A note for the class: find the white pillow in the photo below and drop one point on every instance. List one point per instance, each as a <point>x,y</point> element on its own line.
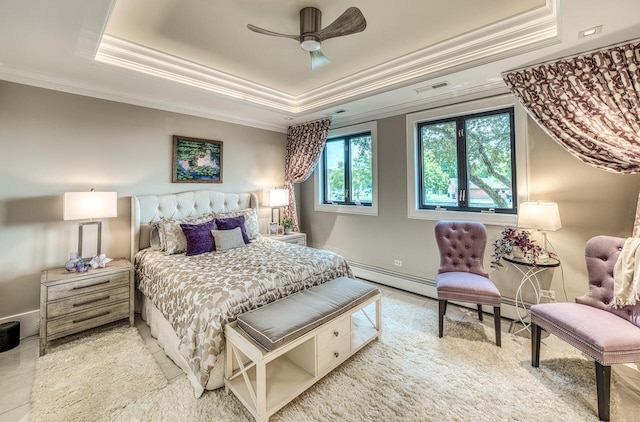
<point>250,220</point>
<point>228,239</point>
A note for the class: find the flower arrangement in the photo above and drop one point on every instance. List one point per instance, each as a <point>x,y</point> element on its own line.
<point>287,223</point>
<point>512,238</point>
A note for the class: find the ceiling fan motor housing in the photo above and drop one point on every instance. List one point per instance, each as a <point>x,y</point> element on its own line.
<point>310,24</point>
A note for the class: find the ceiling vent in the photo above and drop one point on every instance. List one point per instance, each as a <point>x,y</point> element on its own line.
<point>431,87</point>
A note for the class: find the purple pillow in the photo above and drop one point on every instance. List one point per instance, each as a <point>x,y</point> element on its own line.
<point>231,223</point>
<point>199,238</point>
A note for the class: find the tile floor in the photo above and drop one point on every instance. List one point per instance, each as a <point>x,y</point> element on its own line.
<point>17,366</point>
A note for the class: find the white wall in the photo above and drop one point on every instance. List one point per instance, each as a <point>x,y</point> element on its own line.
<point>52,142</point>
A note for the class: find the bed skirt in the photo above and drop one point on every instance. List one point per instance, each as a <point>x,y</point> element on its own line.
<point>162,331</point>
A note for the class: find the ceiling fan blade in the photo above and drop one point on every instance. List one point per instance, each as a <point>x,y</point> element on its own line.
<point>318,59</point>
<point>350,22</point>
<point>273,34</point>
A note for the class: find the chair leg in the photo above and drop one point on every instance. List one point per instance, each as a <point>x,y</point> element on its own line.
<point>603,384</point>
<point>536,333</point>
<point>442,309</point>
<point>496,322</point>
<point>479,312</point>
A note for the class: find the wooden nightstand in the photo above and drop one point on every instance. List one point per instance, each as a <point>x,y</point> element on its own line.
<point>74,302</point>
<point>298,238</point>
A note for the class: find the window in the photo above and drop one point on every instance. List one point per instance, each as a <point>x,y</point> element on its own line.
<point>348,183</point>
<point>346,176</point>
<point>467,163</point>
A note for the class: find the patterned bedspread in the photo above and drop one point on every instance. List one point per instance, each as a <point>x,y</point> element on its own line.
<point>199,294</point>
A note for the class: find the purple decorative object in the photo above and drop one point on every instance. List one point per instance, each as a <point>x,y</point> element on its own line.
<point>199,238</point>
<point>70,265</point>
<point>231,223</point>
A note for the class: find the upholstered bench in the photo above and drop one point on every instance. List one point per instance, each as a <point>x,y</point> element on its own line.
<point>276,352</point>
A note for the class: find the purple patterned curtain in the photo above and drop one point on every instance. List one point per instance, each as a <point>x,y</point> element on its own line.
<point>589,104</point>
<point>304,145</point>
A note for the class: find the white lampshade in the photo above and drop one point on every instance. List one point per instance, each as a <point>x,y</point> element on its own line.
<point>275,197</point>
<point>89,205</point>
<point>539,215</point>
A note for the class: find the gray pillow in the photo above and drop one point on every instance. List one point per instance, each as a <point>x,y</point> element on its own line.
<point>228,239</point>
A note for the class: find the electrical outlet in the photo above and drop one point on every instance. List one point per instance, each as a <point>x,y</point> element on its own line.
<point>397,263</point>
<point>549,294</point>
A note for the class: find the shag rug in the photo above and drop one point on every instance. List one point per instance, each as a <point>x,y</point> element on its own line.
<point>408,375</point>
<point>91,376</point>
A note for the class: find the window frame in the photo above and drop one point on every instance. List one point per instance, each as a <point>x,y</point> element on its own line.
<point>463,161</point>
<point>476,107</point>
<point>319,179</point>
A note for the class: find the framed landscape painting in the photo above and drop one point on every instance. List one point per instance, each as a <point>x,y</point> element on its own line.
<point>196,160</point>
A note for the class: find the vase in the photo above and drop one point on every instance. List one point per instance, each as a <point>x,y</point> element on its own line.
<point>287,230</point>
<point>516,252</point>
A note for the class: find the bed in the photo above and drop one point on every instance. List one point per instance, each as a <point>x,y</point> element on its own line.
<point>187,300</point>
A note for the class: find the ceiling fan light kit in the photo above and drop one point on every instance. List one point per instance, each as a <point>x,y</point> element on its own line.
<point>311,35</point>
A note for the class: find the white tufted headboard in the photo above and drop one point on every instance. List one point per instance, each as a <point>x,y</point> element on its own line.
<point>150,208</point>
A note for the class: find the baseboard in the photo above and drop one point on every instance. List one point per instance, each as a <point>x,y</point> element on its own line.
<point>419,285</point>
<point>29,323</point>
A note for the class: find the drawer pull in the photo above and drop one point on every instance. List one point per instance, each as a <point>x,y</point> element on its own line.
<point>100,299</point>
<point>336,354</point>
<point>336,333</point>
<point>91,285</point>
<point>75,321</point>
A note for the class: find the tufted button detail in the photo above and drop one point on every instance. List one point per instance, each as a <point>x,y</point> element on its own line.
<point>599,285</point>
<point>606,302</point>
<point>466,247</point>
<point>630,312</point>
<point>449,255</point>
<point>460,256</point>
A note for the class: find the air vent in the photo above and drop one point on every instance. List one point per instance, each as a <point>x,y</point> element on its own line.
<point>431,87</point>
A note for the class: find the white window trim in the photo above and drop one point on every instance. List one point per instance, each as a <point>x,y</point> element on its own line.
<point>318,180</point>
<point>471,107</point>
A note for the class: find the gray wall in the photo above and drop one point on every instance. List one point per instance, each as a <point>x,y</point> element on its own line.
<point>51,142</point>
<point>591,202</point>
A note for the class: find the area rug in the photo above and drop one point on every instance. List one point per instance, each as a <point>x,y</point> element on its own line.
<point>408,375</point>
<point>412,375</point>
<point>94,374</point>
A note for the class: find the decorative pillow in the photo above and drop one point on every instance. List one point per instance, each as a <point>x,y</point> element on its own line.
<point>199,238</point>
<point>232,223</point>
<point>156,240</point>
<point>228,239</point>
<point>174,240</point>
<point>250,220</point>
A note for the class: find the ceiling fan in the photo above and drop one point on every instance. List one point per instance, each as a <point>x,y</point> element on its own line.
<point>311,35</point>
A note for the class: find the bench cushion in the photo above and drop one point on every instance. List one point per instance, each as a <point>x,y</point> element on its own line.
<point>604,336</point>
<point>286,319</point>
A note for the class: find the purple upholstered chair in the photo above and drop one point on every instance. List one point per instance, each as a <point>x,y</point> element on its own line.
<point>461,276</point>
<point>591,324</point>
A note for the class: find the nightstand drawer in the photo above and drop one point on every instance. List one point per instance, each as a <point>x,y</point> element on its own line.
<point>88,285</point>
<point>79,303</point>
<point>296,241</point>
<point>80,321</point>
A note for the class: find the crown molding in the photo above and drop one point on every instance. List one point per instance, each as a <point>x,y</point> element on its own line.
<point>530,30</point>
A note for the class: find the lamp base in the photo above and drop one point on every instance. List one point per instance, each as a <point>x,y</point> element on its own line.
<point>88,249</point>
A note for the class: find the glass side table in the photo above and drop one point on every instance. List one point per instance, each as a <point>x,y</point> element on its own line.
<point>530,271</point>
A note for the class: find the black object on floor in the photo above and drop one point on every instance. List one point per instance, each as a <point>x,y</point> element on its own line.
<point>9,335</point>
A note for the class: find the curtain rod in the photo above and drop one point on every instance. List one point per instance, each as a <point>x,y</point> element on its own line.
<point>573,56</point>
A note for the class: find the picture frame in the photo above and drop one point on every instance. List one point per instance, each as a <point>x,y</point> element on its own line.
<point>196,160</point>
<point>273,229</point>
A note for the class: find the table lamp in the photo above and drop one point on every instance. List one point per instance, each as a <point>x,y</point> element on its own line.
<point>542,216</point>
<point>89,206</point>
<point>275,198</point>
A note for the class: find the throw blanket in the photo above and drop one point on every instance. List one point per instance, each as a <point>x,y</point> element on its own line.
<point>626,274</point>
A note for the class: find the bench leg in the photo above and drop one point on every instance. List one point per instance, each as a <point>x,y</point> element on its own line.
<point>536,332</point>
<point>480,312</point>
<point>442,309</point>
<point>497,322</point>
<point>603,385</point>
